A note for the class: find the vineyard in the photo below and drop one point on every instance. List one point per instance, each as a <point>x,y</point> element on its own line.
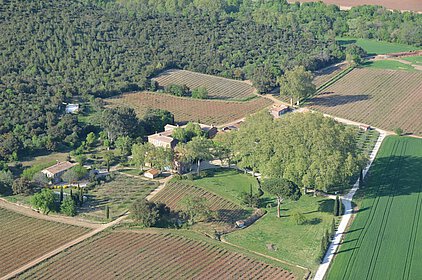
<point>118,194</point>
<point>210,112</point>
<point>23,239</point>
<point>385,238</point>
<point>227,212</point>
<point>153,255</point>
<point>383,98</point>
<point>217,87</point>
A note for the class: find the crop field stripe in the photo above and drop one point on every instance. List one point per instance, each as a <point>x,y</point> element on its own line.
<point>413,235</point>
<point>368,221</point>
<point>386,214</point>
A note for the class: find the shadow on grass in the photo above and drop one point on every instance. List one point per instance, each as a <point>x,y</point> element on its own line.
<point>313,221</point>
<point>326,205</point>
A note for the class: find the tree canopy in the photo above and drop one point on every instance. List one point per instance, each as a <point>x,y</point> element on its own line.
<point>306,148</point>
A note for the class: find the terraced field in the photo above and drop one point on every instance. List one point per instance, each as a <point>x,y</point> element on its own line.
<point>385,238</point>
<point>153,255</point>
<point>228,212</point>
<point>386,99</point>
<point>211,112</point>
<point>23,239</point>
<point>217,87</point>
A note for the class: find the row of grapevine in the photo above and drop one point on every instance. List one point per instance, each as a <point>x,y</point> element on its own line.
<point>152,255</point>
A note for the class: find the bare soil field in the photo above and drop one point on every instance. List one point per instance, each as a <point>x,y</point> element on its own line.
<point>23,238</point>
<point>218,87</point>
<point>404,5</point>
<point>211,112</point>
<point>153,254</point>
<point>386,99</point>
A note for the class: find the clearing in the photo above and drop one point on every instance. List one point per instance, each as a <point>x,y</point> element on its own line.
<point>156,254</point>
<point>374,47</point>
<point>385,238</point>
<point>217,87</point>
<point>24,238</point>
<point>386,99</point>
<point>211,112</point>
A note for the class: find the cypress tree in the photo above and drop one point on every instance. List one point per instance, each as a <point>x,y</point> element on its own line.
<point>81,197</point>
<point>61,194</point>
<point>340,207</point>
<point>107,212</point>
<point>361,179</point>
<point>333,228</point>
<point>323,248</point>
<point>336,207</point>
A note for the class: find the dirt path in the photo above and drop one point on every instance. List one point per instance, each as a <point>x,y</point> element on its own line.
<point>27,211</point>
<point>159,188</point>
<point>51,254</point>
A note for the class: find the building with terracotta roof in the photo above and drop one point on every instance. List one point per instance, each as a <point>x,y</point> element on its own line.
<point>56,171</point>
<point>278,110</point>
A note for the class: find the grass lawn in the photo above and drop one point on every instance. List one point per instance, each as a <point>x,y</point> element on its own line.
<point>227,183</point>
<point>298,244</point>
<point>414,59</point>
<point>385,238</point>
<point>373,47</point>
<point>131,171</point>
<point>389,65</point>
<point>44,159</point>
<point>118,194</point>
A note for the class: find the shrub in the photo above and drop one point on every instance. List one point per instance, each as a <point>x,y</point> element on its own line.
<point>22,186</point>
<point>398,131</point>
<point>144,212</point>
<point>200,93</point>
<point>68,207</point>
<point>43,201</point>
<point>299,218</point>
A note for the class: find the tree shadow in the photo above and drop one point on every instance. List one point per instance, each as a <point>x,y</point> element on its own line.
<point>329,99</point>
<point>313,221</point>
<point>326,205</point>
<point>392,175</point>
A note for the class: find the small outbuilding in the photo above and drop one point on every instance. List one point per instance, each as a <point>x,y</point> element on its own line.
<point>72,108</point>
<point>152,173</point>
<point>364,127</point>
<point>278,110</point>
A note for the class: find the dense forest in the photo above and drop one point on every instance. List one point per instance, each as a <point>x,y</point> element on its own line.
<point>54,50</point>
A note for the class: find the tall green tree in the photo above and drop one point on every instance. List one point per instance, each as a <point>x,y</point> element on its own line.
<point>282,189</point>
<point>296,84</point>
<point>198,149</point>
<point>43,201</point>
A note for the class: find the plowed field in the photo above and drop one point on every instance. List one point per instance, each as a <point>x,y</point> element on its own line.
<point>217,87</point>
<point>23,239</point>
<point>386,99</point>
<point>153,255</point>
<point>211,112</point>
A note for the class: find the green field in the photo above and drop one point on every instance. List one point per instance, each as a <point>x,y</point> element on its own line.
<point>385,238</point>
<point>227,183</point>
<point>297,244</point>
<point>376,47</point>
<point>414,59</point>
<point>389,65</point>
